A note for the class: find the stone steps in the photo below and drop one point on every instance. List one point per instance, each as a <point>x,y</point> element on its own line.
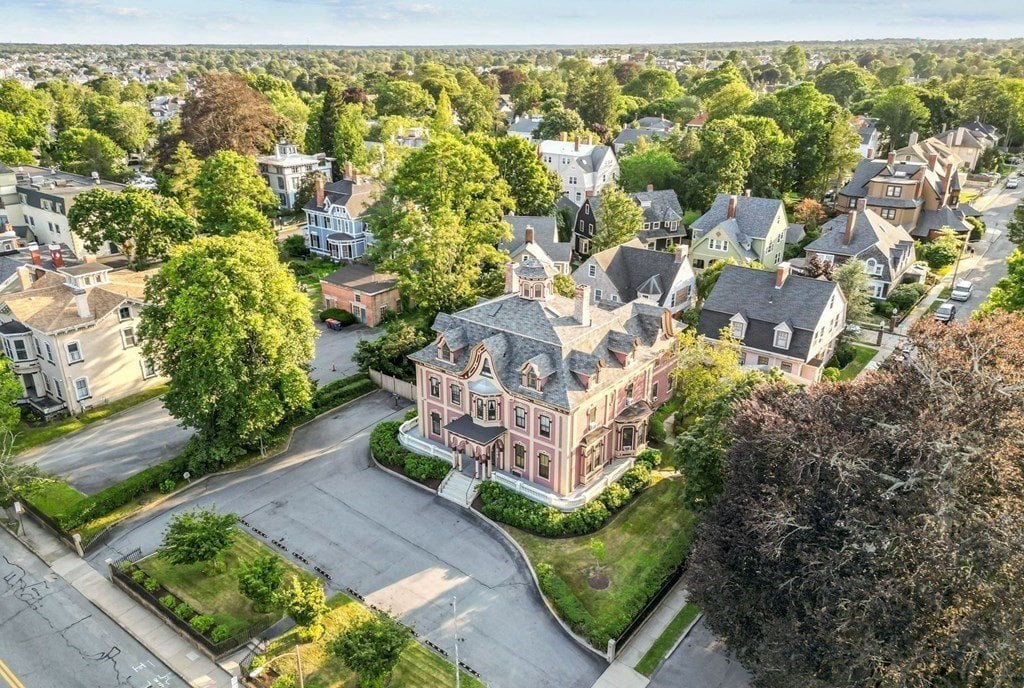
<point>459,488</point>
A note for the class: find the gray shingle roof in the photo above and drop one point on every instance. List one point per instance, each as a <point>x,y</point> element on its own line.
<point>545,235</point>
<point>525,125</point>
<point>754,216</point>
<point>633,269</point>
<point>362,278</point>
<point>932,220</point>
<point>659,205</point>
<point>627,136</point>
<point>800,303</point>
<point>356,197</point>
<point>870,231</point>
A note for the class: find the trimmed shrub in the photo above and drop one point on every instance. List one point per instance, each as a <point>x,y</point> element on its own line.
<point>615,496</point>
<point>650,458</point>
<point>151,584</point>
<point>202,623</point>
<point>565,602</point>
<point>636,479</point>
<point>844,353</point>
<point>219,634</point>
<point>411,413</point>
<point>183,611</point>
<point>342,316</point>
<point>169,601</point>
<point>903,298</point>
<point>139,576</point>
<point>422,468</point>
<point>831,374</point>
<point>341,392</point>
<point>167,486</point>
<point>385,446</point>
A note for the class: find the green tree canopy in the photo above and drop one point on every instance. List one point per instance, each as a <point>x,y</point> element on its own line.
<point>143,225</point>
<point>559,121</point>
<point>372,648</point>
<point>653,84</point>
<point>231,196</point>
<point>304,601</point>
<point>198,536</point>
<point>650,164</point>
<point>853,280</point>
<point>180,175</point>
<point>773,157</point>
<point>84,151</point>
<point>226,323</point>
<point>618,217</point>
<point>404,98</point>
<point>440,221</point>
<point>846,82</point>
<point>259,580</point>
<point>721,163</point>
<point>900,112</point>
<point>533,188</point>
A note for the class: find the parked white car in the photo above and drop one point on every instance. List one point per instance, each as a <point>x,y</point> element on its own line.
<point>962,290</point>
<point>1012,183</point>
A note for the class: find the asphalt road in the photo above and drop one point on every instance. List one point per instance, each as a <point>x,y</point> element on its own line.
<point>110,450</point>
<point>401,547</point>
<point>701,661</point>
<point>332,359</point>
<point>52,637</point>
<point>992,266</point>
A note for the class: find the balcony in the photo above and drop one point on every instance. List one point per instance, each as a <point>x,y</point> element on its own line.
<point>26,366</point>
<point>46,406</point>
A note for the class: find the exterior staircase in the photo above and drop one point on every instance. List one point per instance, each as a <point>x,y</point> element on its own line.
<point>459,488</point>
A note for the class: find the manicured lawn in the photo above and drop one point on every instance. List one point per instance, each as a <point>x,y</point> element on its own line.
<point>667,639</point>
<point>853,368</point>
<point>53,496</point>
<point>643,543</point>
<point>217,594</point>
<point>31,435</point>
<point>417,668</point>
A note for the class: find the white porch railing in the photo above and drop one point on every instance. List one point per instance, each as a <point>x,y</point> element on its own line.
<point>409,437</point>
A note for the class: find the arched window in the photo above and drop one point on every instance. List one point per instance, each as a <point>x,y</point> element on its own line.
<point>538,291</point>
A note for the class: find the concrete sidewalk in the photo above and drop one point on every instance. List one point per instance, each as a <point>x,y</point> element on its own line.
<point>620,674</point>
<point>178,654</point>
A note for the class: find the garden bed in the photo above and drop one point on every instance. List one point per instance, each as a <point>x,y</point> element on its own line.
<point>215,593</point>
<point>418,667</point>
<point>641,547</point>
<point>390,453</point>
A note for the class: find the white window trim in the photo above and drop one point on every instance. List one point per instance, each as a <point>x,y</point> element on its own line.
<point>124,338</point>
<point>88,390</point>
<point>67,352</point>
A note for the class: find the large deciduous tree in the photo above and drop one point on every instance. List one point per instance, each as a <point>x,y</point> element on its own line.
<point>558,121</point>
<point>226,322</point>
<point>440,221</point>
<point>404,98</point>
<point>618,217</point>
<point>533,188</point>
<point>846,82</point>
<point>899,112</point>
<point>225,113</point>
<point>771,163</point>
<point>721,163</point>
<point>871,533</point>
<point>372,647</point>
<point>853,280</point>
<point>650,164</point>
<point>1008,294</point>
<point>84,151</point>
<point>142,224</point>
<point>198,537</point>
<point>231,196</point>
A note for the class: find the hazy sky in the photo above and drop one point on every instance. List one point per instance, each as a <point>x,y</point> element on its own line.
<point>433,22</point>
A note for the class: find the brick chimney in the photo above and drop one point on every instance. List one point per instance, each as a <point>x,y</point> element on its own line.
<point>730,211</point>
<point>781,274</point>
<point>581,312</point>
<point>576,143</point>
<point>680,253</point>
<point>851,222</point>
<point>947,180</point>
<point>650,187</point>
<point>913,138</point>
<point>33,251</point>
<point>56,255</point>
<point>349,170</point>
<point>319,191</point>
<point>892,158</point>
<point>529,234</point>
<point>590,193</point>
<point>564,136</point>
<point>862,204</point>
<point>511,278</point>
<point>933,158</point>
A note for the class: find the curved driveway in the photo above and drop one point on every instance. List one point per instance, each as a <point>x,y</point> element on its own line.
<point>401,547</point>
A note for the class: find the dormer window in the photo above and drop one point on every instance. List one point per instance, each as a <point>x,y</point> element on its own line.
<point>782,336</point>
<point>738,326</point>
<point>531,377</point>
<point>485,369</point>
<point>444,352</point>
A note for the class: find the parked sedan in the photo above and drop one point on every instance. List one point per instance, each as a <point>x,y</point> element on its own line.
<point>962,290</point>
<point>1012,183</point>
<point>946,312</point>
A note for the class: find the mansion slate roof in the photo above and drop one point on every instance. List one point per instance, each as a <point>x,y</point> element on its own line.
<point>634,269</point>
<point>545,235</point>
<point>800,303</point>
<point>514,331</point>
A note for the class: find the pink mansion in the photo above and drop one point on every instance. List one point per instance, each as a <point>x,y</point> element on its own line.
<point>547,395</point>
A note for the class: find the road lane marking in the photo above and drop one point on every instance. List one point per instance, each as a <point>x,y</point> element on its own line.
<point>8,676</point>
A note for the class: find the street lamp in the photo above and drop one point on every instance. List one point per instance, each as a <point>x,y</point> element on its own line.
<point>258,671</point>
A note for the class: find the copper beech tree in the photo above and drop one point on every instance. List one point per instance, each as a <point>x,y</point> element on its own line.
<point>872,533</point>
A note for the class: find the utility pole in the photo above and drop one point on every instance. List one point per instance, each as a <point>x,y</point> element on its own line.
<point>455,619</point>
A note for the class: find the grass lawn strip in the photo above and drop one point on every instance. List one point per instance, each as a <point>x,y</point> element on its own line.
<point>418,667</point>
<point>53,496</point>
<point>667,639</point>
<point>863,356</point>
<point>217,594</point>
<point>652,533</point>
<point>28,436</point>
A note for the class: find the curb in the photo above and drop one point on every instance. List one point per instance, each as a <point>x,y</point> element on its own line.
<point>686,632</point>
<point>400,476</point>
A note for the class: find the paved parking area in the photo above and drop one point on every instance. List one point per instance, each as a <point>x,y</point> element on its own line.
<point>701,661</point>
<point>110,450</point>
<point>404,548</point>
<point>334,349</point>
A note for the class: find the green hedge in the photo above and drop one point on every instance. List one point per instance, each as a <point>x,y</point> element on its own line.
<point>342,316</point>
<point>341,392</point>
<point>388,450</point>
<point>512,508</point>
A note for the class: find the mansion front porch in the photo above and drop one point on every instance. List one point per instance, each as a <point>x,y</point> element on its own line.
<point>482,454</point>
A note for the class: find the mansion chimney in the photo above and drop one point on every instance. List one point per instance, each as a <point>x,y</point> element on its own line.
<point>730,211</point>
<point>24,277</point>
<point>851,222</point>
<point>511,278</point>
<point>56,255</point>
<point>529,234</point>
<point>33,252</point>
<point>82,303</point>
<point>781,274</point>
<point>892,158</point>
<point>581,312</point>
<point>319,191</point>
<point>576,143</point>
<point>913,138</point>
<point>933,158</point>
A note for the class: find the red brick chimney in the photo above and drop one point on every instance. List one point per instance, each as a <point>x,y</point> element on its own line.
<point>529,234</point>
<point>947,180</point>
<point>933,158</point>
<point>590,193</point>
<point>33,251</point>
<point>862,204</point>
<point>851,222</point>
<point>781,274</point>
<point>730,211</point>
<point>892,158</point>
<point>319,192</point>
<point>56,255</point>
<point>576,143</point>
<point>680,252</point>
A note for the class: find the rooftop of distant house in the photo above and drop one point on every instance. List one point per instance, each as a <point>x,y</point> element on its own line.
<point>56,182</point>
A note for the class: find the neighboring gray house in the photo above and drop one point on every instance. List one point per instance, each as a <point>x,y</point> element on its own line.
<point>537,237</point>
<point>663,220</point>
<point>631,272</point>
<point>781,320</point>
<point>650,128</point>
<point>524,126</point>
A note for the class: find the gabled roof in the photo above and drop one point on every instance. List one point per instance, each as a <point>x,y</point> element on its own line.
<point>49,305</point>
<point>545,236</point>
<point>754,216</point>
<point>589,156</point>
<point>933,220</point>
<point>356,197</point>
<point>800,304</point>
<point>870,230</point>
<point>634,270</point>
<point>659,205</point>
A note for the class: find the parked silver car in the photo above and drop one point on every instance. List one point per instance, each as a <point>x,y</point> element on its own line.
<point>946,312</point>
